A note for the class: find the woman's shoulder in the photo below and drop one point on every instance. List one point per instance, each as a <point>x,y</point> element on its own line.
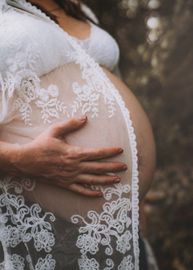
<point>28,40</point>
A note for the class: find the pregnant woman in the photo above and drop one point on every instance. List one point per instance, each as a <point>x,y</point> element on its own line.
<point>70,159</point>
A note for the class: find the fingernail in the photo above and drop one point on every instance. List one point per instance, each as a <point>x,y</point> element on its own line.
<point>117,180</point>
<point>120,150</point>
<point>100,194</point>
<point>125,167</point>
<point>83,118</point>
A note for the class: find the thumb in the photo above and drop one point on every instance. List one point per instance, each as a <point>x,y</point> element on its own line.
<point>63,128</point>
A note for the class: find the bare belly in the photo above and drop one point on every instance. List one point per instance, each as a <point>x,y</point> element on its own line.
<point>109,124</point>
<point>144,136</point>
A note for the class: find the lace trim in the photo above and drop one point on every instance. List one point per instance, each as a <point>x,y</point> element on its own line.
<point>108,86</point>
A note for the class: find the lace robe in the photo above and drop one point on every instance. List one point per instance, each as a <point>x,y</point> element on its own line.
<point>46,77</point>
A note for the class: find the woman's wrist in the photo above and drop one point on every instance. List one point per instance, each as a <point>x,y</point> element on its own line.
<point>9,157</point>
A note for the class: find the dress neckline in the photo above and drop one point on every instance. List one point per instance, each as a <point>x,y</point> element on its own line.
<point>23,5</point>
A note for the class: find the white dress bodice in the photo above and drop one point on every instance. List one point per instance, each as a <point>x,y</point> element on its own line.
<point>100,45</point>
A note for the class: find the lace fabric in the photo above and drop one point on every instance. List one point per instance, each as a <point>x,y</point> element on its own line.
<point>41,226</point>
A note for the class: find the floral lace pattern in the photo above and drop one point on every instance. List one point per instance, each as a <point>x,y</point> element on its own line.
<point>23,82</point>
<point>100,229</point>
<point>88,100</point>
<point>22,224</point>
<point>126,264</point>
<point>16,262</point>
<point>115,228</point>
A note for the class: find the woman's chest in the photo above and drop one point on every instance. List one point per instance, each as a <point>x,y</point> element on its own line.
<point>74,27</point>
<point>98,43</point>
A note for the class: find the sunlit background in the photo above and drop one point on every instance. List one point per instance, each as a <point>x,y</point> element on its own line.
<point>156,42</point>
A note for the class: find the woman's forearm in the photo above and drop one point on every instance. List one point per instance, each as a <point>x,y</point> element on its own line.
<point>8,153</point>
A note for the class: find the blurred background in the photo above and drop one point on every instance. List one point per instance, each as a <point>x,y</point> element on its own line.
<point>156,42</point>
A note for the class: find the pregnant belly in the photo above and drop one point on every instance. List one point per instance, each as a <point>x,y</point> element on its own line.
<point>109,124</point>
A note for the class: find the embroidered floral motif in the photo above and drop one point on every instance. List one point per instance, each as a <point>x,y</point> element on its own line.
<point>126,263</point>
<point>26,86</point>
<point>48,263</point>
<point>22,81</point>
<point>15,262</point>
<point>123,242</point>
<point>20,223</point>
<point>88,244</point>
<point>88,264</point>
<point>44,240</point>
<point>47,100</point>
<point>88,95</point>
<point>88,99</point>
<point>101,229</point>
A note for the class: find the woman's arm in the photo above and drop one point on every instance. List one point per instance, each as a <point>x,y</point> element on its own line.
<point>7,155</point>
<point>50,159</point>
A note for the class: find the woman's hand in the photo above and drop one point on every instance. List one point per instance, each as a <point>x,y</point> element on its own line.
<point>50,159</point>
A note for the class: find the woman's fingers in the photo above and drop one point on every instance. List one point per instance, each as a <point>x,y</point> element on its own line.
<point>89,154</point>
<point>63,128</point>
<point>92,179</point>
<point>77,188</point>
<point>102,167</point>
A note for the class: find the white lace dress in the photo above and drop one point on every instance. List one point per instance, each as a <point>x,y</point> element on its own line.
<point>47,76</point>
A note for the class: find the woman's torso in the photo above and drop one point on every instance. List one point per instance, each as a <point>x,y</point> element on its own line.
<point>105,51</point>
<point>98,43</point>
<point>109,124</point>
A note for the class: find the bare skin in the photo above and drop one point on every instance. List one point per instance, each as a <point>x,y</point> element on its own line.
<point>144,136</point>
<point>71,166</point>
<point>143,130</point>
<point>74,27</point>
<point>49,157</point>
